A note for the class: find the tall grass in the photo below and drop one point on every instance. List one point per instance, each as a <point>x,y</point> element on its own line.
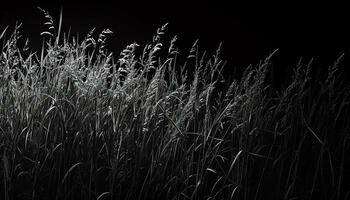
<point>77,122</point>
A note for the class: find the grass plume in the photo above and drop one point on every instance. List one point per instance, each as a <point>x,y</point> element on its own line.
<point>78,123</point>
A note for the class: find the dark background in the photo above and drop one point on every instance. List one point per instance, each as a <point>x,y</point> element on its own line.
<point>249,32</point>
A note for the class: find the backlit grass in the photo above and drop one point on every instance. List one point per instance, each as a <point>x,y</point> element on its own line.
<point>77,122</point>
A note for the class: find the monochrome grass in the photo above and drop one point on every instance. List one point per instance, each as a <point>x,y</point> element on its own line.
<point>77,122</point>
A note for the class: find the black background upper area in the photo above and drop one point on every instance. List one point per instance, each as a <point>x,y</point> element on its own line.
<point>249,32</point>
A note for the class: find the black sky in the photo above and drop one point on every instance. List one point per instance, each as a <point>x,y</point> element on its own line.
<point>249,32</point>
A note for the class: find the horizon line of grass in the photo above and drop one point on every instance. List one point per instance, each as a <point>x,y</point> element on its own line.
<point>76,123</point>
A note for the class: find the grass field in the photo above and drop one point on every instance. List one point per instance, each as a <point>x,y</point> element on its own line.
<point>77,122</point>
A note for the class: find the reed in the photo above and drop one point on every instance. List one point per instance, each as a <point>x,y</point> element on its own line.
<point>77,122</point>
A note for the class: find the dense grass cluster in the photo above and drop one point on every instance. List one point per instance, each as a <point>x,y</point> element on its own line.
<point>78,123</point>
